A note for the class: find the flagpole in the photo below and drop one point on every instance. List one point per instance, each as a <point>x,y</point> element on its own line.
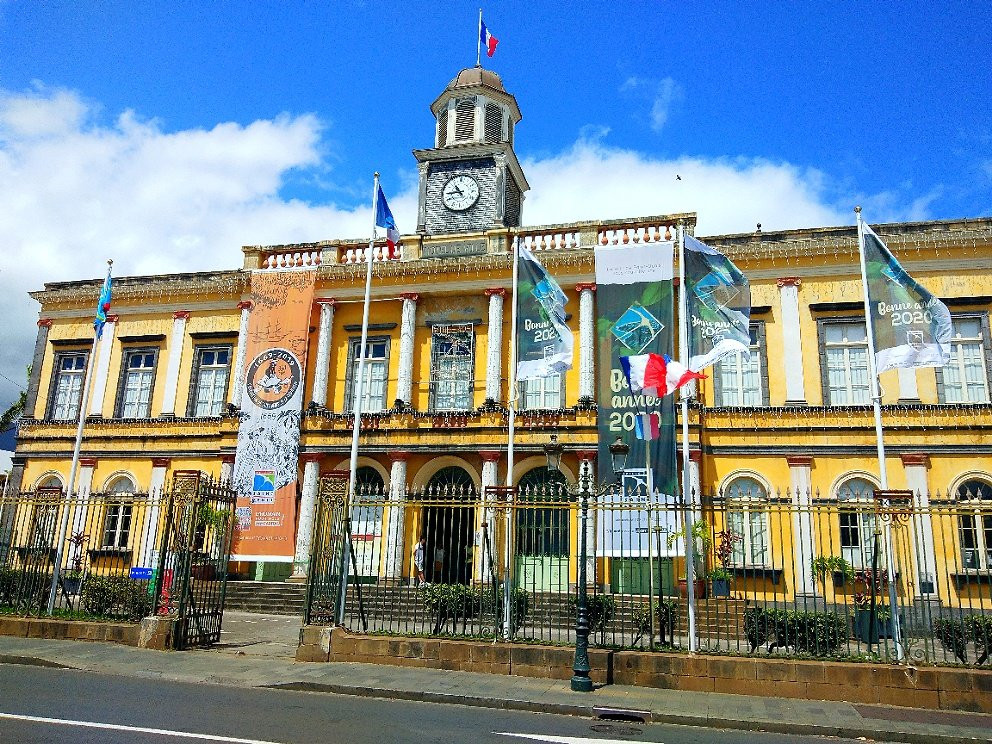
<point>688,501</point>
<point>359,396</point>
<point>73,468</point>
<point>478,42</point>
<point>876,400</point>
<point>511,430</point>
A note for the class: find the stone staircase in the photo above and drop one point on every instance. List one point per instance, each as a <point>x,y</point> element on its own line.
<point>401,606</point>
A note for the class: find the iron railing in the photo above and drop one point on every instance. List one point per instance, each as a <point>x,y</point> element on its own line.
<point>789,574</point>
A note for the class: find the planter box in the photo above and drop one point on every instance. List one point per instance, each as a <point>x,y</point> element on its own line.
<point>720,587</point>
<point>868,632</point>
<point>699,588</point>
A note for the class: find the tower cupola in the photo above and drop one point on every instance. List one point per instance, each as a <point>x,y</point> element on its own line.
<point>475,108</point>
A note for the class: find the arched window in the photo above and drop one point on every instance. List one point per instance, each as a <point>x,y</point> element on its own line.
<point>119,513</point>
<point>45,514</point>
<point>857,523</point>
<point>747,519</point>
<point>451,482</point>
<point>542,530</point>
<point>975,527</point>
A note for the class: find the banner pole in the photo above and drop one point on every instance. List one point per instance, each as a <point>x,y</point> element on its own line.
<point>688,497</point>
<point>511,432</point>
<point>876,401</point>
<point>357,404</point>
<point>478,42</point>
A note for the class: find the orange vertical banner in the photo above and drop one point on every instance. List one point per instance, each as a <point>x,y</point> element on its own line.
<point>265,466</point>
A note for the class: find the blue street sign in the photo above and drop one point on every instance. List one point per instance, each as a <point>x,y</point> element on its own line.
<point>141,573</point>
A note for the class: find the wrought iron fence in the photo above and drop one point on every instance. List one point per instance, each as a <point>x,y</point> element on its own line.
<point>125,555</point>
<point>898,578</point>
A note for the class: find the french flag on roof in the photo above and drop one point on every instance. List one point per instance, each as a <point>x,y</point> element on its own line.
<point>486,38</point>
<point>655,374</point>
<point>384,218</point>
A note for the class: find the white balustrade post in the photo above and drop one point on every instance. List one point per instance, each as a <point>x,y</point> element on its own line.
<point>916,465</point>
<point>408,327</point>
<point>308,507</point>
<point>239,364</point>
<point>176,344</point>
<point>323,361</point>
<point>102,370</point>
<point>396,524</point>
<point>587,342</point>
<point>156,492</point>
<point>795,383</point>
<point>483,552</point>
<point>800,476</point>
<point>494,359</point>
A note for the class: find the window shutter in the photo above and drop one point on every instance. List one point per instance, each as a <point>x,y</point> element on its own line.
<point>465,119</point>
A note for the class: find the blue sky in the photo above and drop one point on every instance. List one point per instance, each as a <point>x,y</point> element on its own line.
<point>168,134</point>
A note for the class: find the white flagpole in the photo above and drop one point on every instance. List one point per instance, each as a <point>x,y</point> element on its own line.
<point>478,42</point>
<point>876,401</point>
<point>359,396</point>
<point>688,497</point>
<point>511,429</point>
<point>74,467</point>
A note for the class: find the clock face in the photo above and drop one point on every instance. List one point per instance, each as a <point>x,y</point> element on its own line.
<point>460,193</point>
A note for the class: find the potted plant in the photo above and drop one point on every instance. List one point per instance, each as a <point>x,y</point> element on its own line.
<point>701,542</point>
<point>721,577</point>
<point>73,578</point>
<point>871,619</point>
<point>840,570</point>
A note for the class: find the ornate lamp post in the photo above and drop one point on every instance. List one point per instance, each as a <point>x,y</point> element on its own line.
<point>583,490</point>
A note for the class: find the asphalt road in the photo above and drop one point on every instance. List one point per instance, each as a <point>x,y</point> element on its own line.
<point>62,705</point>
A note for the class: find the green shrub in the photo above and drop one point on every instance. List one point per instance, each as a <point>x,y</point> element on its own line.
<point>815,633</point>
<point>450,603</point>
<point>24,590</point>
<point>980,630</point>
<point>520,606</point>
<point>953,635</point>
<point>666,619</point>
<point>600,609</point>
<point>116,596</point>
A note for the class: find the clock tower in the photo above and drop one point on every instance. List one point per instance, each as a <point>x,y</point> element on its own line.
<point>471,181</point>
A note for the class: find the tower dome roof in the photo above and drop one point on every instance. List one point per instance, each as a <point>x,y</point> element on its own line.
<point>481,81</point>
<point>471,77</point>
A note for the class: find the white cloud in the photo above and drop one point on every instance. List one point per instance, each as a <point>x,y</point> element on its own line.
<point>594,181</point>
<point>664,94</point>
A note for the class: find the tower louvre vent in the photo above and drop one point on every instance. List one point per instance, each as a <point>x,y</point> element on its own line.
<point>465,119</point>
<point>442,128</point>
<point>494,123</point>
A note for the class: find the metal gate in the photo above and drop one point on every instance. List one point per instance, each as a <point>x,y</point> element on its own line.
<point>191,577</point>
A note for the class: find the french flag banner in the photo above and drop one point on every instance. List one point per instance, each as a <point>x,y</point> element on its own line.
<point>655,374</point>
<point>384,219</point>
<point>647,426</point>
<point>487,40</point>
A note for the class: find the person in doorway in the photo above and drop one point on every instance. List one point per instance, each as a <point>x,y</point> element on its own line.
<point>418,559</point>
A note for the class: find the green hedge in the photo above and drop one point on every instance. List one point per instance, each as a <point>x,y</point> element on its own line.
<point>954,635</point>
<point>814,633</point>
<point>116,597</point>
<point>451,603</point>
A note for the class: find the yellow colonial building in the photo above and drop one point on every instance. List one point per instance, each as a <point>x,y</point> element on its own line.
<point>782,446</point>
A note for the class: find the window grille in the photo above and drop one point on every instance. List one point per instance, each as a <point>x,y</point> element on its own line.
<point>465,119</point>
<point>452,367</point>
<point>494,123</point>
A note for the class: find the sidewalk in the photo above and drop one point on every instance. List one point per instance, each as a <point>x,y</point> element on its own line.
<point>256,652</point>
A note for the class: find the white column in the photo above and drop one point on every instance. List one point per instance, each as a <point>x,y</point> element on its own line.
<point>308,507</point>
<point>916,465</point>
<point>408,327</point>
<point>482,567</point>
<point>84,485</point>
<point>695,483</point>
<point>156,492</point>
<point>323,361</point>
<point>494,359</point>
<point>803,545</point>
<point>102,370</point>
<point>908,391</point>
<point>239,363</point>
<point>226,467</point>
<point>587,342</point>
<point>795,384</point>
<point>176,344</point>
<point>395,525</point>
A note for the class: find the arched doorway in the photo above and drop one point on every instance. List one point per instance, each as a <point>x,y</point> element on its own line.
<point>366,522</point>
<point>541,529</point>
<point>448,522</point>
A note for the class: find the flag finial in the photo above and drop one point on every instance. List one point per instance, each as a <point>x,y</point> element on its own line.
<point>857,209</point>
<point>376,174</point>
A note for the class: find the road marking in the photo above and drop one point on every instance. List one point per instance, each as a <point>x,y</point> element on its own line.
<point>560,739</point>
<point>137,729</point>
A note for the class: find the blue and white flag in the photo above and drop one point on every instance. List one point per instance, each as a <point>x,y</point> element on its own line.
<point>384,218</point>
<point>544,340</point>
<point>102,306</point>
<point>719,306</point>
<point>911,327</point>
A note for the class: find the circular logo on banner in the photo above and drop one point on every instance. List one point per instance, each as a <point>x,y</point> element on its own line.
<point>273,378</point>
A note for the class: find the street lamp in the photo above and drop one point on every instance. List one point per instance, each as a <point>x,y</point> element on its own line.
<point>584,489</point>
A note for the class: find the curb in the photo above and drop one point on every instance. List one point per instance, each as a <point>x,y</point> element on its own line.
<point>32,661</point>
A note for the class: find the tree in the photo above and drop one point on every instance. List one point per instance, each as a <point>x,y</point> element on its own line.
<point>14,412</point>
